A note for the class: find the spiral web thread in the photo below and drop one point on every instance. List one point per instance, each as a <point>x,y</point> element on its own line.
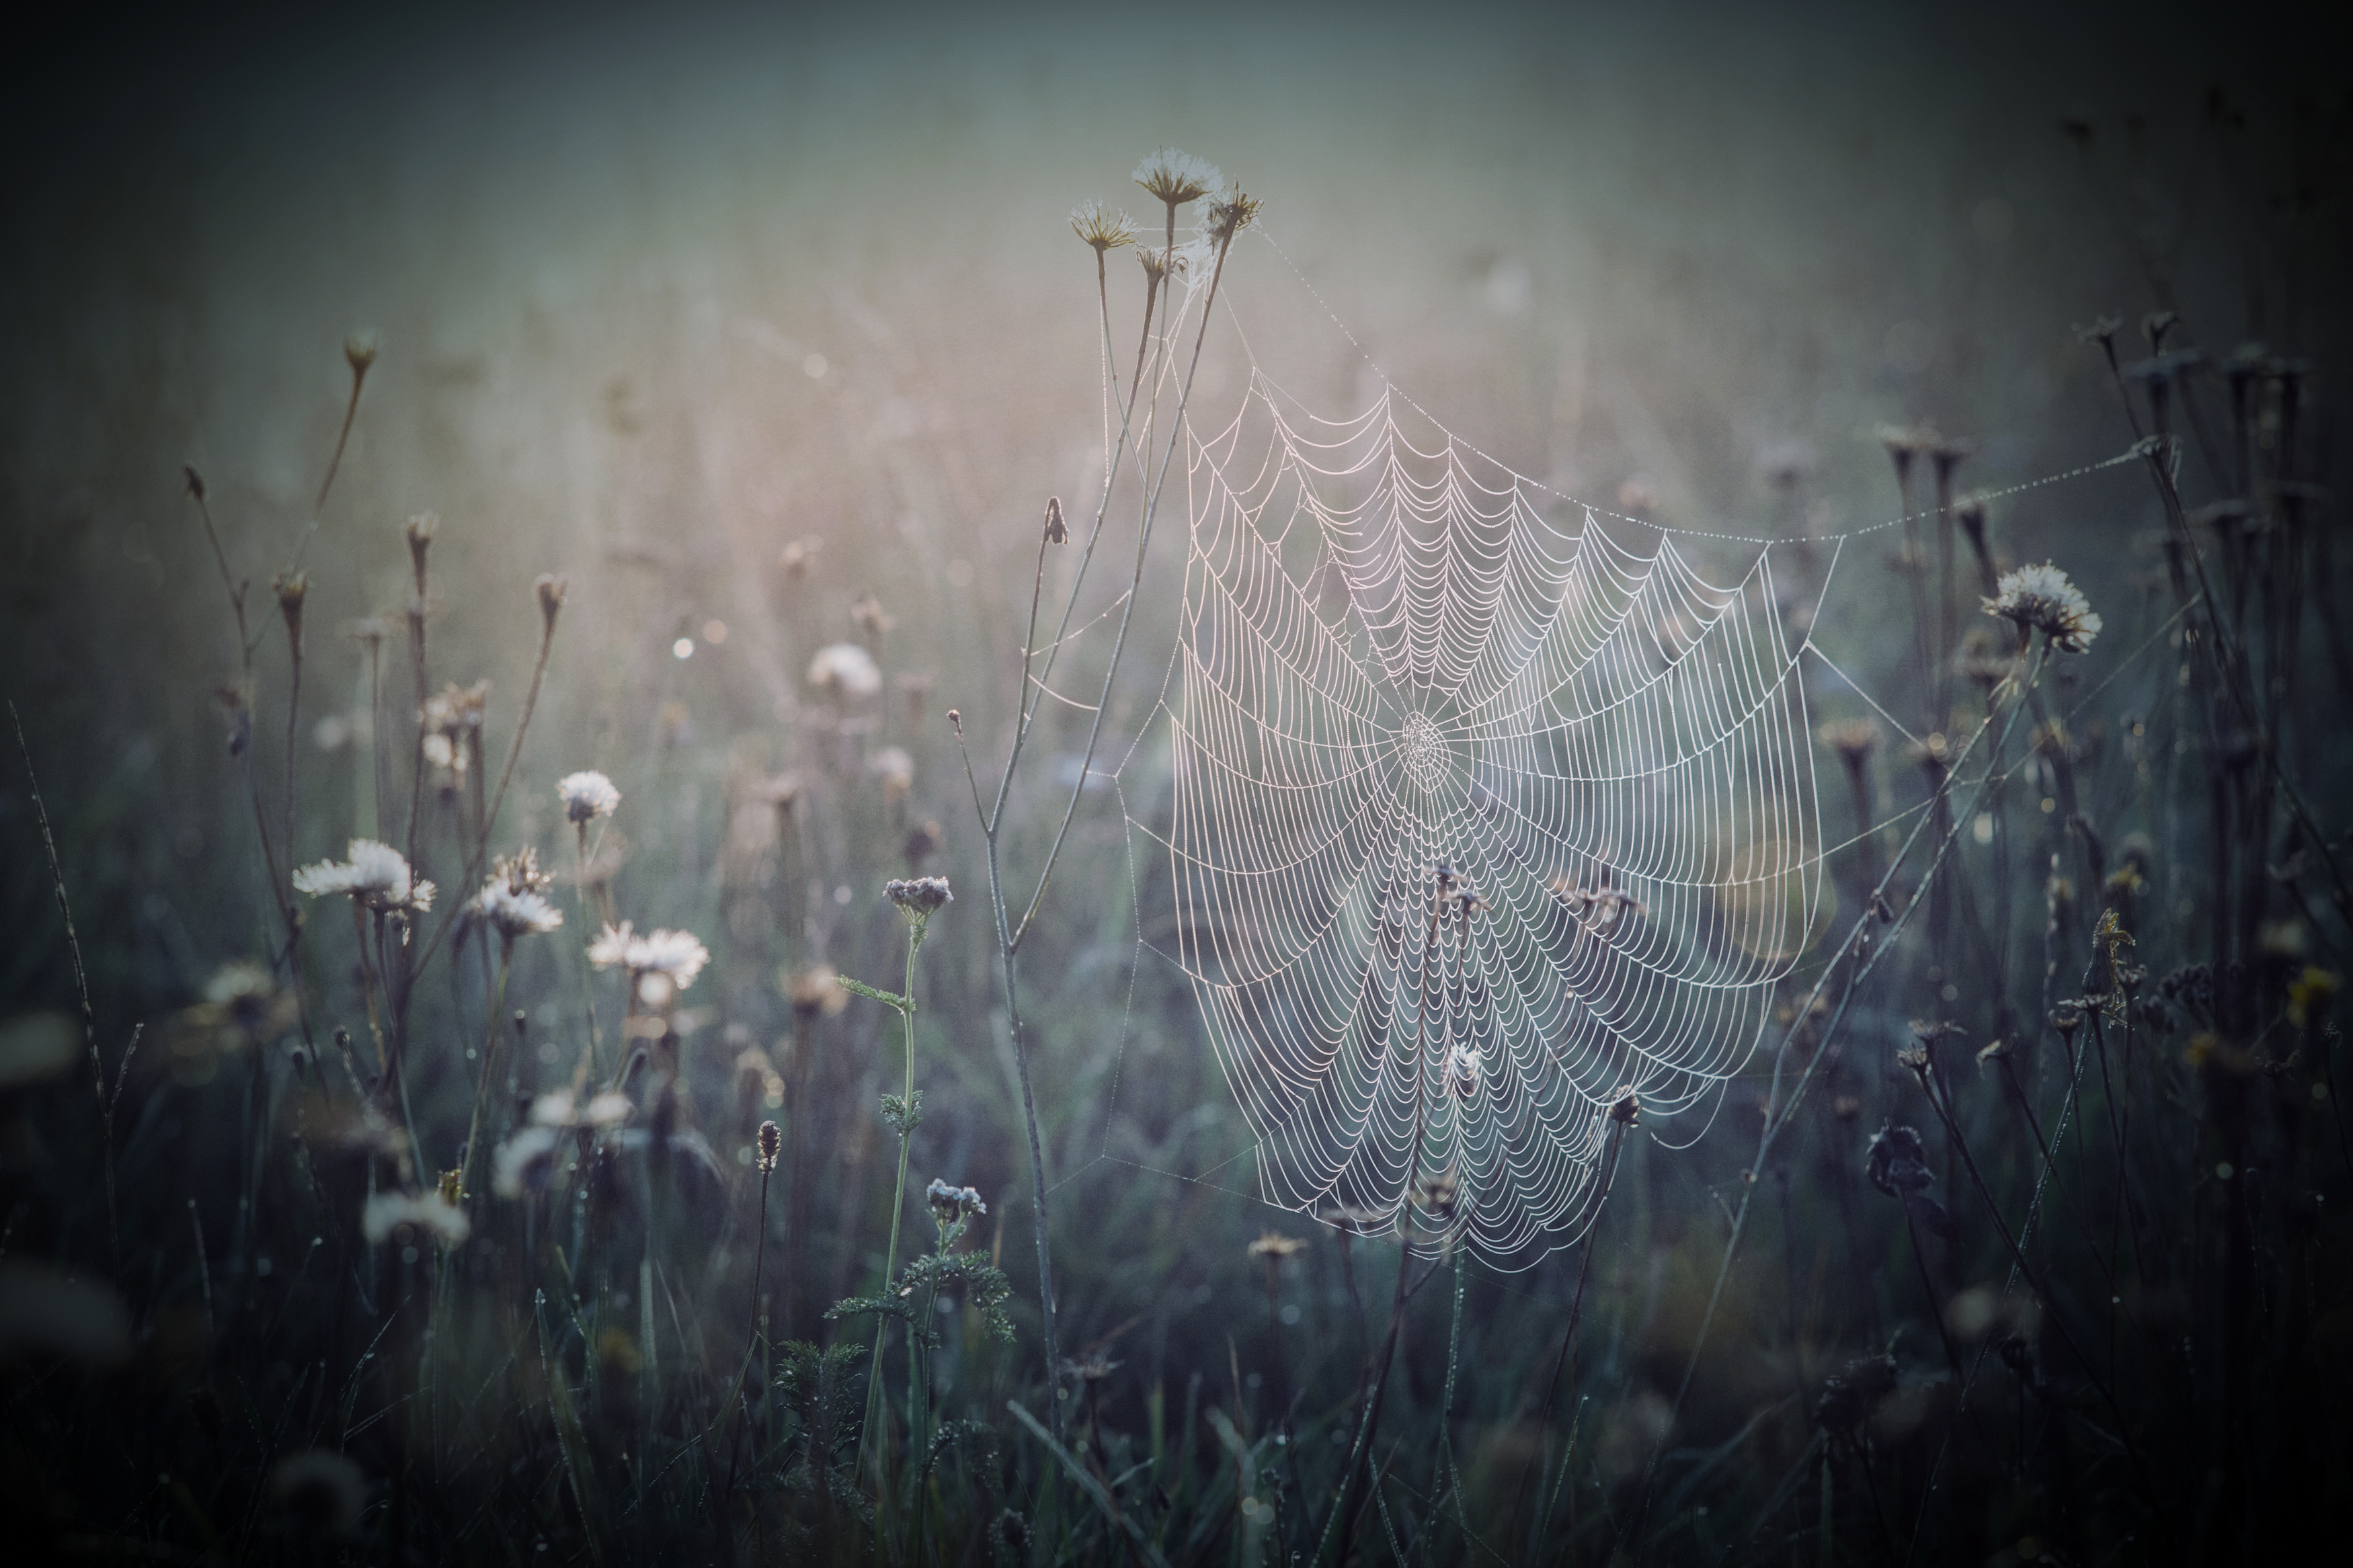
<point>1479,822</point>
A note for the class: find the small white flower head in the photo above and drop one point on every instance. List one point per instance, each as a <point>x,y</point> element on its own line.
<point>676,955</point>
<point>562,1109</point>
<point>844,671</point>
<point>894,769</point>
<point>1176,177</point>
<point>513,915</point>
<point>587,795</point>
<point>1463,1065</point>
<point>520,872</point>
<point>611,947</point>
<point>609,1109</point>
<point>424,1214</point>
<point>553,1109</point>
<point>2042,599</point>
<point>1102,228</point>
<point>524,1163</point>
<point>376,874</point>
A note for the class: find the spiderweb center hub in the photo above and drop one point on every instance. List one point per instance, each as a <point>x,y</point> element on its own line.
<point>1423,749</point>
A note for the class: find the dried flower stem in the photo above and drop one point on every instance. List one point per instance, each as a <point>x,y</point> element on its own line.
<point>1009,933</point>
<point>904,1004</point>
<point>1778,1112</point>
<point>81,981</point>
<point>469,1161</point>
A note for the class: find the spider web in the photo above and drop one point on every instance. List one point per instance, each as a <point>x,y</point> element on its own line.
<point>1407,679</point>
<point>1480,823</point>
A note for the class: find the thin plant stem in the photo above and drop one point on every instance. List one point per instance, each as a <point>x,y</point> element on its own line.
<point>490,1060</point>
<point>81,981</point>
<point>1778,1112</point>
<point>905,1003</point>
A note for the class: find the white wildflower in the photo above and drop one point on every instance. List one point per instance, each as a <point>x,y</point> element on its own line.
<point>553,1110</point>
<point>895,769</point>
<point>611,946</point>
<point>1176,177</point>
<point>846,670</point>
<point>676,955</point>
<point>513,915</point>
<point>524,1161</point>
<point>376,874</point>
<point>426,1213</point>
<point>606,1110</point>
<point>1102,228</point>
<point>587,795</point>
<point>2042,599</point>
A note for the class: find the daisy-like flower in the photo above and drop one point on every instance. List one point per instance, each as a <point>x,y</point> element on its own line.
<point>676,955</point>
<point>512,914</point>
<point>1273,1246</point>
<point>1102,228</point>
<point>587,795</point>
<point>1176,177</point>
<point>376,875</point>
<point>426,1213</point>
<point>523,1163</point>
<point>894,769</point>
<point>846,671</point>
<point>611,947</point>
<point>2042,599</point>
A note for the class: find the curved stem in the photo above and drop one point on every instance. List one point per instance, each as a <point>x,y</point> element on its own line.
<point>1135,583</point>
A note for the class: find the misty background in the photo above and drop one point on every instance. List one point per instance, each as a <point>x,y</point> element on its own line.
<point>659,295</point>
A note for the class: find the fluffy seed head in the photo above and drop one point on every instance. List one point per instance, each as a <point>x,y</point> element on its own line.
<point>2042,599</point>
<point>772,1139</point>
<point>1175,177</point>
<point>424,1213</point>
<point>587,795</point>
<point>1273,1246</point>
<point>1102,228</point>
<point>376,874</point>
<point>844,671</point>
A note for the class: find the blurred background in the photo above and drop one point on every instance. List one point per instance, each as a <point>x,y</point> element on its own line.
<point>739,318</point>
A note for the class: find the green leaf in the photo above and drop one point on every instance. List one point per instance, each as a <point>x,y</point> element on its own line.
<point>888,998</point>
